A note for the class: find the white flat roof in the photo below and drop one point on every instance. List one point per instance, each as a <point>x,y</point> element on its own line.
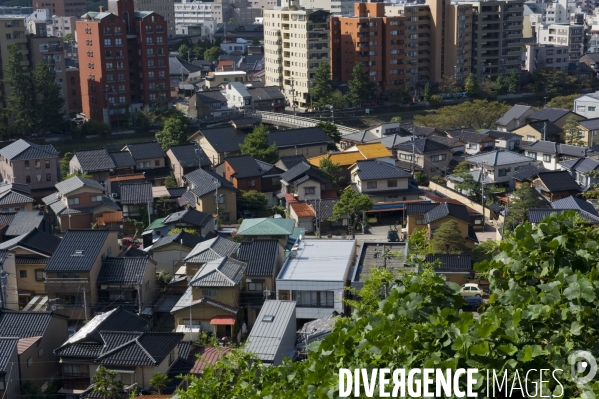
<point>319,260</point>
<point>218,73</point>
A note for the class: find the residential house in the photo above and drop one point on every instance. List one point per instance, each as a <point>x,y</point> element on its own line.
<point>184,159</point>
<point>431,216</point>
<point>218,143</point>
<point>505,140</point>
<point>308,141</point>
<point>24,222</point>
<point>214,297</point>
<point>264,258</point>
<point>112,185</point>
<point>246,173</point>
<point>551,153</point>
<point>304,216</point>
<point>557,116</point>
<point>169,251</point>
<point>456,268</point>
<point>540,130</point>
<point>591,60</point>
<point>314,276</point>
<point>38,333</point>
<point>556,184</point>
<point>304,182</point>
<point>267,98</point>
<point>9,374</point>
<point>79,202</point>
<point>499,166</point>
<point>526,173</point>
<point>203,223</point>
<point>474,142</point>
<point>100,164</point>
<point>202,194</point>
<point>136,199</point>
<point>207,356</point>
<point>326,224</point>
<point>267,228</point>
<point>128,281</point>
<point>210,103</point>
<point>312,331</point>
<point>72,271</point>
<point>287,162</point>
<point>15,197</point>
<point>587,132</point>
<point>35,165</point>
<point>514,118</point>
<point>580,170</point>
<point>150,159</point>
<point>386,131</point>
<point>382,182</point>
<point>217,78</point>
<point>430,156</point>
<point>373,256</point>
<point>24,259</point>
<point>587,105</point>
<point>209,250</point>
<point>238,97</point>
<point>273,335</point>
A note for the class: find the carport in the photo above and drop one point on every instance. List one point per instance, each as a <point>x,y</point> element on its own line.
<point>389,213</point>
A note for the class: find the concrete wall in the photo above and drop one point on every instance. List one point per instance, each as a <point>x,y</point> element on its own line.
<point>12,297</point>
<point>168,256</point>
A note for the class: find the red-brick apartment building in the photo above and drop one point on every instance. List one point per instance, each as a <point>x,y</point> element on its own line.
<point>123,61</point>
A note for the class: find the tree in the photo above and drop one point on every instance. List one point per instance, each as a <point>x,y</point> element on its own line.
<point>361,88</point>
<point>183,50</point>
<point>462,169</point>
<point>484,251</point>
<point>487,89</point>
<point>565,102</point>
<point>256,42</point>
<point>471,85</point>
<point>21,97</point>
<point>470,187</point>
<point>428,92</point>
<point>333,132</point>
<point>375,288</point>
<point>421,178</point>
<point>448,85</point>
<point>64,165</point>
<point>401,96</point>
<point>252,200</point>
<point>159,381</point>
<point>418,244</point>
<point>476,114</point>
<point>571,130</point>
<point>256,145</point>
<point>332,169</point>
<point>107,384</point>
<point>447,239</point>
<point>170,182</point>
<point>77,174</point>
<point>322,89</point>
<point>92,127</point>
<point>513,82</point>
<point>178,230</point>
<point>49,114</point>
<point>352,204</point>
<point>501,85</point>
<point>174,132</point>
<point>212,53</point>
<point>68,38</point>
<point>523,199</point>
<point>165,204</point>
<point>231,21</point>
<point>338,100</point>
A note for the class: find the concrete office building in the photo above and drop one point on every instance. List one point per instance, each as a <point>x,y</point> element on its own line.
<point>165,8</point>
<point>546,56</point>
<point>62,26</point>
<point>343,8</point>
<point>296,42</point>
<point>564,35</point>
<point>62,8</point>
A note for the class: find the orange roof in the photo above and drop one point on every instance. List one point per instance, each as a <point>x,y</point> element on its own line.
<point>302,210</point>
<point>342,158</point>
<point>209,357</point>
<point>225,63</point>
<point>374,150</point>
<point>137,176</point>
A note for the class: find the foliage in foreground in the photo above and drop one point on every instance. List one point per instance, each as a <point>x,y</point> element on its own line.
<point>543,307</point>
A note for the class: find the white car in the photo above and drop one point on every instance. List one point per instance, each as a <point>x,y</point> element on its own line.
<point>471,290</point>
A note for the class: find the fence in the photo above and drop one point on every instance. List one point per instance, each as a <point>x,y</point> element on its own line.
<point>293,121</point>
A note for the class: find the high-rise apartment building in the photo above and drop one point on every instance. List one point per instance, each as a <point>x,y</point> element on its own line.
<point>62,8</point>
<point>296,42</point>
<point>166,8</point>
<point>564,35</point>
<point>341,8</point>
<point>12,32</point>
<point>374,40</point>
<point>123,61</point>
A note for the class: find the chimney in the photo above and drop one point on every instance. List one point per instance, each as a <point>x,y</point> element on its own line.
<point>101,9</point>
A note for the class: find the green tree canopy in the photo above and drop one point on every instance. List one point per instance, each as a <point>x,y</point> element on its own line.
<point>322,89</point>
<point>107,384</point>
<point>256,145</point>
<point>513,82</point>
<point>49,113</point>
<point>566,102</point>
<point>428,92</point>
<point>333,132</point>
<point>476,114</point>
<point>471,85</point>
<point>170,182</point>
<point>361,88</point>
<point>571,130</point>
<point>501,85</point>
<point>352,204</point>
<point>159,381</point>
<point>178,230</point>
<point>68,38</point>
<point>252,200</point>
<point>332,169</point>
<point>448,84</point>
<point>521,201</point>
<point>92,127</point>
<point>447,239</point>
<point>174,132</point>
<point>421,178</point>
<point>212,53</point>
<point>21,97</point>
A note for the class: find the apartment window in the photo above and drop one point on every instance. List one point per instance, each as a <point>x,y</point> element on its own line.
<point>107,42</point>
<point>109,65</point>
<point>309,190</point>
<point>209,292</point>
<point>23,273</point>
<point>97,198</point>
<point>74,201</point>
<point>39,275</point>
<point>48,176</point>
<point>546,158</point>
<point>391,183</point>
<point>371,184</point>
<point>118,42</point>
<point>150,51</point>
<point>255,286</point>
<point>26,165</point>
<point>27,179</point>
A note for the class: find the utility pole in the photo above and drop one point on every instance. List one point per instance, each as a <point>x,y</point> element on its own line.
<point>149,217</point>
<point>482,188</point>
<point>84,303</point>
<point>138,295</point>
<point>545,131</point>
<point>3,286</point>
<point>413,151</point>
<point>507,204</point>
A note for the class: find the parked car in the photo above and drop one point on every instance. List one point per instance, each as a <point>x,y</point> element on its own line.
<point>469,290</point>
<point>130,242</point>
<point>472,303</point>
<point>78,121</point>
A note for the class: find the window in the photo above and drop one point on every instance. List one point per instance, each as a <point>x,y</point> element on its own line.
<point>283,295</point>
<point>533,155</point>
<point>48,176</point>
<point>23,273</point>
<point>503,171</point>
<point>29,362</point>
<point>371,184</point>
<point>391,183</point>
<point>591,108</point>
<point>315,299</point>
<point>38,164</point>
<point>252,183</point>
<point>405,156</point>
<point>255,286</point>
<point>221,198</point>
<point>97,198</point>
<point>546,158</point>
<point>209,292</point>
<point>118,42</point>
<point>27,179</point>
<point>309,190</point>
<point>74,201</point>
<point>26,165</point>
<point>156,163</point>
<point>40,352</point>
<point>40,275</point>
<point>438,157</point>
<point>47,164</point>
<point>107,42</point>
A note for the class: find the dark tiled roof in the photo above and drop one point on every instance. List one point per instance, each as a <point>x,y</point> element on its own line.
<point>210,97</point>
<point>260,255</point>
<point>24,324</point>
<point>77,251</point>
<point>24,222</point>
<point>22,149</point>
<point>138,349</point>
<point>324,208</point>
<point>290,161</point>
<point>499,157</point>
<point>129,270</point>
<point>246,166</point>
<point>147,150</point>
<point>374,170</point>
<point>74,183</point>
<point>549,147</point>
<point>548,128</point>
<point>187,157</point>
<point>30,260</point>
<point>446,209</point>
<point>558,180</point>
<point>471,234</point>
<point>301,172</point>
<point>11,196</point>
<point>581,165</point>
<point>574,203</point>
<point>299,137</point>
<point>176,192</point>
<point>451,262</point>
<point>513,113</point>
<point>41,242</point>
<point>526,172</point>
<point>122,159</point>
<point>136,193</point>
<point>189,216</point>
<point>549,114</point>
<point>222,272</point>
<point>8,349</point>
<point>537,215</point>
<point>224,139</point>
<point>419,208</point>
<point>590,124</point>
<point>202,182</point>
<point>470,137</point>
<point>94,160</point>
<point>423,146</point>
<point>212,249</point>
<point>448,141</point>
<point>188,240</point>
<point>499,135</point>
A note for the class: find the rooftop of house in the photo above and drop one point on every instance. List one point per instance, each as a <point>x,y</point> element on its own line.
<point>203,182</point>
<point>128,270</point>
<point>549,114</point>
<point>260,256</point>
<point>526,172</point>
<point>467,136</point>
<point>245,166</point>
<point>372,255</point>
<point>303,171</point>
<point>374,170</point>
<point>266,227</point>
<point>8,348</point>
<point>66,187</point>
<point>207,357</point>
<point>182,238</point>
<point>546,128</point>
<point>304,136</point>
<point>131,177</point>
<point>558,180</point>
<point>289,161</point>
<point>221,272</point>
<point>23,150</point>
<point>351,156</point>
<point>498,158</point>
<point>499,135</point>
<point>436,211</point>
<point>580,164</point>
<point>33,240</point>
<point>189,216</point>
<point>269,329</point>
<point>13,194</point>
<point>24,324</point>
<point>590,124</point>
<point>187,156</point>
<point>538,214</point>
<point>572,202</point>
<point>147,150</point>
<point>137,348</point>
<point>23,222</point>
<point>319,260</point>
<point>302,209</point>
<point>315,330</point>
<point>515,112</point>
<point>78,250</point>
<point>212,249</point>
<point>186,300</point>
<point>136,193</point>
<point>94,160</point>
<point>122,159</point>
<point>451,263</point>
<point>422,146</point>
<point>550,147</point>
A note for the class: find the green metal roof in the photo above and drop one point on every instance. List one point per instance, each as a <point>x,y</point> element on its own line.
<point>156,224</point>
<point>266,226</point>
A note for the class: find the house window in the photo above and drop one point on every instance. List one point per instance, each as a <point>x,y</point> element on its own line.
<point>125,379</point>
<point>40,275</point>
<point>74,201</point>
<point>251,183</point>
<point>591,108</point>
<point>407,157</point>
<point>284,295</point>
<point>371,184</point>
<point>29,362</point>
<point>255,286</point>
<point>97,198</point>
<point>391,183</point>
<point>26,165</point>
<point>48,176</point>
<point>23,273</point>
<point>1,384</point>
<point>209,292</point>
<point>226,217</point>
<point>546,158</point>
<point>442,157</point>
<point>533,155</point>
<point>156,163</point>
<point>40,352</point>
<point>502,172</point>
<point>314,299</point>
<point>221,198</point>
<point>420,221</point>
<point>530,138</point>
<point>27,179</point>
<point>309,190</point>
<point>47,164</point>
